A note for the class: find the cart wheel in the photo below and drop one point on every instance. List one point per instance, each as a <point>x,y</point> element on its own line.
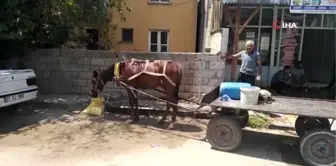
<point>317,148</point>
<point>304,124</point>
<point>224,133</point>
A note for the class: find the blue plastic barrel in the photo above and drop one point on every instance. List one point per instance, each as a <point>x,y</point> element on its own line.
<point>232,89</point>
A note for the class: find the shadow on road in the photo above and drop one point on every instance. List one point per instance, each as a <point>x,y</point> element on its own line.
<point>260,145</point>
<point>27,116</point>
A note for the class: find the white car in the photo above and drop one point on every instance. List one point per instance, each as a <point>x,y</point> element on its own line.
<point>17,86</point>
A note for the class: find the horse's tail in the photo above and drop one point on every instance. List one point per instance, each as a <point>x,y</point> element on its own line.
<point>178,81</point>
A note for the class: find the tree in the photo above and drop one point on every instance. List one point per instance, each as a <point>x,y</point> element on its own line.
<point>49,23</point>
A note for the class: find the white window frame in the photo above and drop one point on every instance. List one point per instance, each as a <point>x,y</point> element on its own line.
<point>158,44</point>
<point>159,1</point>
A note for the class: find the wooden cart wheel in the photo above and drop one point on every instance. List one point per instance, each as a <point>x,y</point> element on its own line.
<point>224,133</point>
<point>318,147</point>
<point>304,124</point>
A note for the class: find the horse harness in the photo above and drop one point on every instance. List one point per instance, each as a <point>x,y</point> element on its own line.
<point>163,74</point>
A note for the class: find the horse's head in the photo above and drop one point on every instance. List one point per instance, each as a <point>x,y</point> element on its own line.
<point>101,77</point>
<point>99,80</point>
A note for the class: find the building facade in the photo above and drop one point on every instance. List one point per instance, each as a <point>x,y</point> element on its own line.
<point>159,26</point>
<point>310,38</point>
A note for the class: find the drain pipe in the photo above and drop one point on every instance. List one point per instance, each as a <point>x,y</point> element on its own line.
<point>205,22</point>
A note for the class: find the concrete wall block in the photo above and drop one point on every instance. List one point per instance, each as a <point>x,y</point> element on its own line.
<point>216,65</point>
<point>208,73</point>
<point>95,67</point>
<point>80,68</point>
<point>179,57</point>
<point>194,88</point>
<point>124,93</point>
<point>41,52</point>
<point>85,75</point>
<point>197,81</point>
<point>56,74</point>
<point>42,67</point>
<point>109,85</point>
<point>162,56</point>
<point>215,82</point>
<point>54,52</point>
<point>210,57</point>
<point>76,90</point>
<point>46,74</point>
<point>66,82</point>
<point>48,59</point>
<point>93,54</point>
<point>80,83</point>
<point>187,80</point>
<point>194,57</point>
<point>149,56</point>
<point>84,90</point>
<point>110,61</point>
<point>83,61</point>
<point>198,65</point>
<point>97,61</point>
<point>79,53</point>
<point>63,60</point>
<point>67,52</point>
<point>186,95</point>
<point>72,67</point>
<point>184,88</point>
<point>62,67</point>
<point>206,88</point>
<point>84,68</point>
<point>107,54</point>
<point>39,73</point>
<point>53,67</point>
<point>70,75</point>
<point>191,73</point>
<point>130,55</point>
<point>184,64</point>
<point>220,74</point>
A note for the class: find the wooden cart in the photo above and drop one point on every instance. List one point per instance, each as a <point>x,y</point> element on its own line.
<point>317,141</point>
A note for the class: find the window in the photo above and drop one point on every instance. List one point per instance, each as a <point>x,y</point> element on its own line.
<point>159,1</point>
<point>329,20</point>
<point>313,20</point>
<point>158,41</point>
<point>127,34</point>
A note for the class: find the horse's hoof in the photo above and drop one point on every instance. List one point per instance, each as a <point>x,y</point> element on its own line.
<point>171,126</point>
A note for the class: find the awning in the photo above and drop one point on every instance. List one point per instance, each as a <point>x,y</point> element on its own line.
<point>258,2</point>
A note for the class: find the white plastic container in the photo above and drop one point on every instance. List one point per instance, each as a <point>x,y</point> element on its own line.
<point>249,95</point>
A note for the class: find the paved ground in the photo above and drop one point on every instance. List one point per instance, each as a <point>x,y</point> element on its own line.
<point>39,136</point>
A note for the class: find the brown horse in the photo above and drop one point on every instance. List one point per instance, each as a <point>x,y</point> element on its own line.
<point>142,74</point>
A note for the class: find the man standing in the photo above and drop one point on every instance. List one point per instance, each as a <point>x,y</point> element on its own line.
<point>251,68</point>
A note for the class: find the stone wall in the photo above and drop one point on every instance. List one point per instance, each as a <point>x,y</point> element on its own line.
<point>70,70</point>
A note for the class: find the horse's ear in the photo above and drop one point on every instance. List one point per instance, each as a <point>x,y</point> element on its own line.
<point>95,73</point>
